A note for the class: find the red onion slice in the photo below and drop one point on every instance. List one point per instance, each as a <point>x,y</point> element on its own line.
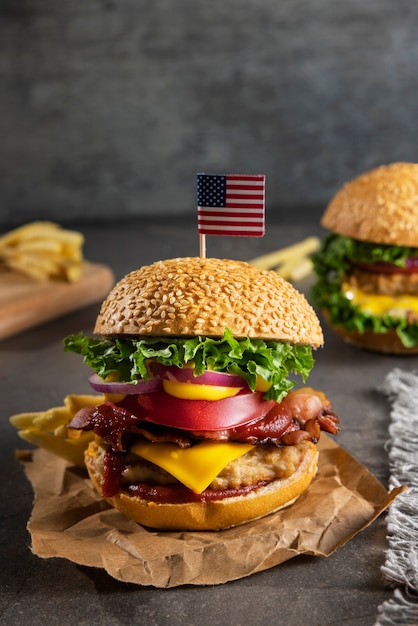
<point>382,267</point>
<point>412,264</point>
<point>141,386</point>
<point>186,375</point>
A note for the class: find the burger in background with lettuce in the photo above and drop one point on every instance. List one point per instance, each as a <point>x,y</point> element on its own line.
<point>201,427</point>
<point>367,266</point>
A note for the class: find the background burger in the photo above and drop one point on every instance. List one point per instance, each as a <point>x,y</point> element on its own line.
<point>367,267</point>
<point>200,427</point>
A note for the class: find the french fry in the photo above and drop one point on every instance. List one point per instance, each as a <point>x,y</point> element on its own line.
<point>75,402</point>
<point>292,262</point>
<point>52,418</point>
<point>27,232</point>
<point>23,420</point>
<point>73,272</point>
<point>48,429</point>
<point>44,251</point>
<point>296,269</point>
<point>273,259</point>
<point>72,450</point>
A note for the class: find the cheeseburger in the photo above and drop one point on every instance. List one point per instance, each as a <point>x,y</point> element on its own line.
<point>367,266</point>
<point>201,427</point>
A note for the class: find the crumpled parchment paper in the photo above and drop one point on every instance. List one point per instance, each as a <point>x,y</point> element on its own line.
<point>70,521</point>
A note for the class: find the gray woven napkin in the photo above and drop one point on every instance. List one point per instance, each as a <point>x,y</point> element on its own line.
<point>400,569</point>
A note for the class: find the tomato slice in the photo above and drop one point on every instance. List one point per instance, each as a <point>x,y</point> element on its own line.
<point>161,408</point>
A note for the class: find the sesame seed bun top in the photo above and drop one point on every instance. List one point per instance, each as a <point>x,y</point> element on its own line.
<point>379,206</point>
<point>202,296</point>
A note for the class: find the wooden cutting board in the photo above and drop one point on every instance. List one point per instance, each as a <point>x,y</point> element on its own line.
<point>25,302</point>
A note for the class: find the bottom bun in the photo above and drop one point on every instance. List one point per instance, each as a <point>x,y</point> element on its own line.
<point>215,514</point>
<point>386,343</point>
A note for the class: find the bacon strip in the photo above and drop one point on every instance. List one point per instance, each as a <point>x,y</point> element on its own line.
<point>301,415</point>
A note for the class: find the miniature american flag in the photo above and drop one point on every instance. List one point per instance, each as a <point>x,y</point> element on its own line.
<point>231,205</point>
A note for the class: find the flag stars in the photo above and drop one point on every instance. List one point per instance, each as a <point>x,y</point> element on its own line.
<point>211,190</point>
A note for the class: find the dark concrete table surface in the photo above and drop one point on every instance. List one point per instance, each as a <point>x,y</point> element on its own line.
<point>345,588</point>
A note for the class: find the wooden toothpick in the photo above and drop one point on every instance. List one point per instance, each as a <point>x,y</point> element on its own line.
<point>202,240</point>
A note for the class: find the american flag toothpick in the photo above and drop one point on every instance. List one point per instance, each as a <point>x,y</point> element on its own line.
<point>231,204</point>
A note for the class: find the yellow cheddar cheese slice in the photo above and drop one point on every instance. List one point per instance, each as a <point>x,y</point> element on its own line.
<point>196,466</point>
<point>381,304</point>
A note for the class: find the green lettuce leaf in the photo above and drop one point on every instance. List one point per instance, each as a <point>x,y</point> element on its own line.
<point>274,361</point>
<point>332,262</point>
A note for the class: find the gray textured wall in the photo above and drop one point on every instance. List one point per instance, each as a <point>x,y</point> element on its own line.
<point>110,108</point>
